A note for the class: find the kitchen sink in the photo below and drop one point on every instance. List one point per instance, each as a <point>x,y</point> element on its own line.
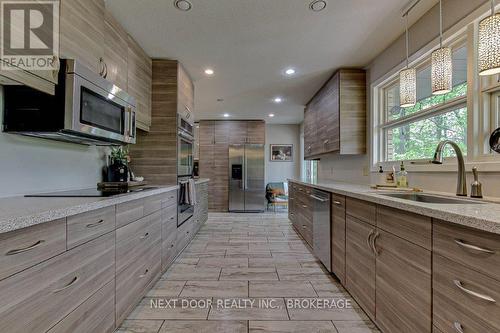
<point>433,199</point>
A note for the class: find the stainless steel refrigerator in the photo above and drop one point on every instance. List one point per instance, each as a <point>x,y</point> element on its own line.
<point>246,178</point>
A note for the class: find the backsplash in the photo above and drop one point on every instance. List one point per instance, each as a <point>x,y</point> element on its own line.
<point>31,165</point>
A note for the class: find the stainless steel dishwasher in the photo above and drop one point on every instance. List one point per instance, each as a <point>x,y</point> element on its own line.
<point>321,227</point>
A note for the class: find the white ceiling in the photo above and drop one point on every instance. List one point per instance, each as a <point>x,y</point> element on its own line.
<point>250,42</point>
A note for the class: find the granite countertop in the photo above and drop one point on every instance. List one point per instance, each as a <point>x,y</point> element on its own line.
<point>484,215</point>
<point>21,212</point>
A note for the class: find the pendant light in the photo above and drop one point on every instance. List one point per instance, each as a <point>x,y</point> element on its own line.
<point>489,44</point>
<point>442,65</point>
<point>407,80</point>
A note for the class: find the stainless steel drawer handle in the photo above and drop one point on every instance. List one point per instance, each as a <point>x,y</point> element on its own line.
<point>304,206</point>
<point>25,249</point>
<point>144,275</point>
<point>303,226</point>
<point>473,247</point>
<point>93,225</point>
<point>146,235</point>
<point>318,198</point>
<point>71,283</point>
<point>473,293</point>
<point>369,239</point>
<point>374,244</point>
<point>458,327</point>
<point>338,203</point>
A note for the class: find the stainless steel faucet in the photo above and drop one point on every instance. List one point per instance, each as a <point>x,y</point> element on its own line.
<point>438,159</point>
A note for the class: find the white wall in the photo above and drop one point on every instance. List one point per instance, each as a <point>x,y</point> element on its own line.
<point>282,134</point>
<point>31,165</point>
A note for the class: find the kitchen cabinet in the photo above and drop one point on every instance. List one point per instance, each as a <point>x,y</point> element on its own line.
<point>246,131</point>
<point>335,118</point>
<point>115,51</point>
<point>185,91</point>
<point>360,263</point>
<point>139,82</point>
<point>87,226</point>
<point>338,236</point>
<point>256,132</point>
<point>82,32</point>
<point>196,143</point>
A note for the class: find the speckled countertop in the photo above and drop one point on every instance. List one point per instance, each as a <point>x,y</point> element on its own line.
<point>483,216</point>
<point>21,212</point>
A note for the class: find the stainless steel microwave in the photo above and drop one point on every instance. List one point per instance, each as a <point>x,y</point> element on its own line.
<point>86,109</point>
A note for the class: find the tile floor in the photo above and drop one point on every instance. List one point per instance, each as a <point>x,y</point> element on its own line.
<point>258,275</point>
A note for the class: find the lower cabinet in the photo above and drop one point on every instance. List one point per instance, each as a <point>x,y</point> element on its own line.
<point>403,285</point>
<point>360,264</point>
<point>338,239</point>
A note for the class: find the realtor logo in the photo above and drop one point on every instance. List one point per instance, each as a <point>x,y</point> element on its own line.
<point>29,35</point>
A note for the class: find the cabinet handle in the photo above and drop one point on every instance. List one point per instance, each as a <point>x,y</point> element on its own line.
<point>292,213</point>
<point>172,245</point>
<point>473,247</point>
<point>72,282</point>
<point>458,327</point>
<point>303,226</point>
<point>304,206</point>
<point>338,203</point>
<point>25,249</point>
<point>318,198</point>
<point>369,239</point>
<point>101,66</point>
<point>93,225</point>
<point>326,141</point>
<point>144,275</point>
<point>473,293</point>
<point>105,70</point>
<point>374,244</point>
<point>146,235</point>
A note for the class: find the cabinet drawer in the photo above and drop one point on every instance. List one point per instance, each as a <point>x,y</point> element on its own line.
<point>38,298</point>
<point>477,249</point>
<point>169,218</point>
<point>96,314</point>
<point>153,203</point>
<point>135,239</point>
<point>184,235</point>
<point>27,247</point>
<point>128,212</point>
<point>168,250</point>
<point>169,199</point>
<point>362,210</point>
<point>338,200</point>
<point>338,236</point>
<point>412,227</point>
<point>459,296</point>
<point>132,282</point>
<point>87,226</point>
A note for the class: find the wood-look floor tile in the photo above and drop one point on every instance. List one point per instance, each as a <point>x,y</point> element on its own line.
<point>329,288</point>
<point>166,288</point>
<point>223,262</point>
<point>262,309</point>
<point>281,289</point>
<point>145,310</point>
<point>355,327</point>
<point>205,326</point>
<point>139,326</point>
<point>190,273</point>
<point>291,327</point>
<point>248,274</point>
<point>273,263</point>
<point>303,274</point>
<point>215,289</point>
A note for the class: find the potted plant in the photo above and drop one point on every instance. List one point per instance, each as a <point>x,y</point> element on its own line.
<point>118,167</point>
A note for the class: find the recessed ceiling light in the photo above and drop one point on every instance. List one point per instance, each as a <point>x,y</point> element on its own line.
<point>278,100</point>
<point>290,71</point>
<point>209,71</point>
<point>317,5</point>
<point>183,5</point>
<point>226,115</point>
<point>271,115</point>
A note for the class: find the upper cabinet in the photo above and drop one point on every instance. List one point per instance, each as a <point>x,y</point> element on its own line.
<point>139,82</point>
<point>115,51</point>
<point>335,118</point>
<point>246,131</point>
<point>185,94</point>
<point>82,32</point>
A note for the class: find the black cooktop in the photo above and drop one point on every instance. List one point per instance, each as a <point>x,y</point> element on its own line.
<point>90,192</point>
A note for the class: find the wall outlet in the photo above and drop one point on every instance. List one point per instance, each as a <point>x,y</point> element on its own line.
<point>366,171</point>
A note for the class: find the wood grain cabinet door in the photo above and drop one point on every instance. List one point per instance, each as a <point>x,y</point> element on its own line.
<point>360,264</point>
<point>256,132</point>
<point>328,116</point>
<point>115,51</point>
<point>338,236</point>
<point>309,131</point>
<point>82,32</point>
<point>403,285</point>
<point>237,132</point>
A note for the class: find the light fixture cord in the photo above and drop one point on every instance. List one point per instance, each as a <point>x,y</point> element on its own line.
<point>407,55</point>
<point>441,24</point>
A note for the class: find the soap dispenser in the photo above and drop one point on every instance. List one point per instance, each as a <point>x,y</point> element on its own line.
<point>477,187</point>
<point>402,177</point>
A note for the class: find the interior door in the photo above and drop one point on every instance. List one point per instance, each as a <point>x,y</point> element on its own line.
<point>254,177</point>
<point>236,177</point>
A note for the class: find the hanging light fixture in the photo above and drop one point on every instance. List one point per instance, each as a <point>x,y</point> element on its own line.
<point>442,65</point>
<point>489,44</point>
<point>407,79</point>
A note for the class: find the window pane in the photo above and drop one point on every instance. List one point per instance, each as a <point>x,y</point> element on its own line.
<point>418,140</point>
<point>425,99</point>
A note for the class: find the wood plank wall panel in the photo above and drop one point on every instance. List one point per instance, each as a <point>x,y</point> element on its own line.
<point>154,156</point>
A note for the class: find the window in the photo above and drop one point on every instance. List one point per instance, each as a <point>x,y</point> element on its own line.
<point>412,133</point>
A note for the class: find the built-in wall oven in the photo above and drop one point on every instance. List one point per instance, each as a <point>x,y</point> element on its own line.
<point>185,141</point>
<point>86,109</point>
